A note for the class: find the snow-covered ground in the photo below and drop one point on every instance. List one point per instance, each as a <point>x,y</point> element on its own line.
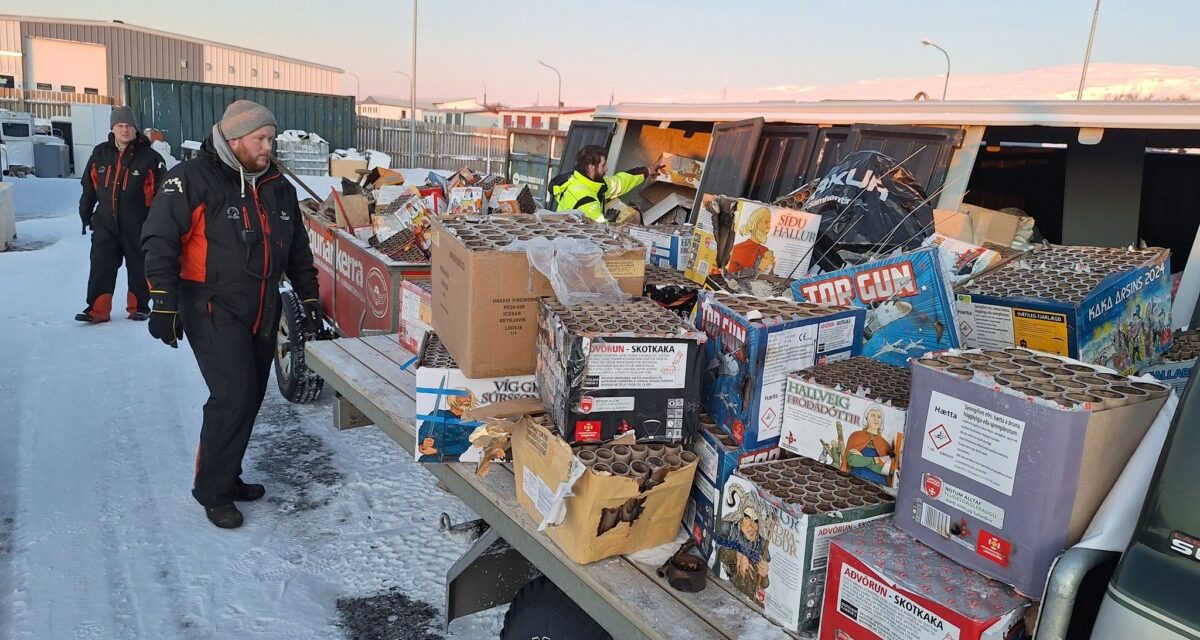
<point>99,536</point>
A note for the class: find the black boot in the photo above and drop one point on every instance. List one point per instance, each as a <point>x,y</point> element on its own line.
<point>225,516</point>
<point>249,492</point>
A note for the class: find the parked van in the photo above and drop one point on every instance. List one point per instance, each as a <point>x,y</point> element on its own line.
<point>16,130</point>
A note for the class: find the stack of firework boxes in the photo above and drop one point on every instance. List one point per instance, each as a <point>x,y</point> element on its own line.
<point>753,344</point>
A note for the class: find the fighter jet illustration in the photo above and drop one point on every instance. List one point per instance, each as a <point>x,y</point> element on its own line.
<point>891,347</point>
<point>884,314</point>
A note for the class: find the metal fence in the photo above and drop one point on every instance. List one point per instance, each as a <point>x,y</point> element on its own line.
<point>438,146</point>
<point>48,104</point>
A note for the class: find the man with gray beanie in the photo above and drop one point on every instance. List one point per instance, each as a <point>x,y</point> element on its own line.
<point>119,183</point>
<point>223,230</point>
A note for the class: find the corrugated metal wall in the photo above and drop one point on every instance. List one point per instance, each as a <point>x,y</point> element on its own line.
<point>439,146</point>
<point>10,40</point>
<point>254,70</point>
<point>130,52</point>
<point>188,110</point>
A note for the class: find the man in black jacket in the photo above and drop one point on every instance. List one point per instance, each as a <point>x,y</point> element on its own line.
<point>119,184</point>
<point>223,230</point>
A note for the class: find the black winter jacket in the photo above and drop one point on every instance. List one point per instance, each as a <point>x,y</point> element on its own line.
<point>119,186</point>
<point>224,245</point>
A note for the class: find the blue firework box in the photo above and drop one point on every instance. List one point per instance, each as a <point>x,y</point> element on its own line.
<point>908,301</point>
<point>753,344</point>
<point>1123,323</point>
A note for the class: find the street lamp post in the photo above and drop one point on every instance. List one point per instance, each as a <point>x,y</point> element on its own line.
<point>931,43</point>
<point>357,84</point>
<point>1088,56</point>
<point>558,105</point>
<point>412,87</point>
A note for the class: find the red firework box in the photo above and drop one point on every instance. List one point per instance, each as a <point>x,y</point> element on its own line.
<point>884,585</point>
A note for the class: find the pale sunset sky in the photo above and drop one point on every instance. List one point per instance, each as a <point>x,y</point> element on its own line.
<point>702,50</point>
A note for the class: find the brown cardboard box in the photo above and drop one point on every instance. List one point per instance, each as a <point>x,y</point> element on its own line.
<point>485,300</point>
<point>346,168</point>
<point>543,463</point>
<point>977,225</point>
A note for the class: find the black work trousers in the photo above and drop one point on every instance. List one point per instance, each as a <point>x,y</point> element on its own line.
<point>111,245</point>
<point>236,366</point>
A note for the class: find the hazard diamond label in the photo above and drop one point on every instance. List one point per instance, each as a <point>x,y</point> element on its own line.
<point>940,436</point>
<point>768,417</point>
<point>966,328</point>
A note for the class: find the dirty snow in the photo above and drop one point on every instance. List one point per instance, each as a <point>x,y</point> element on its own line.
<point>99,536</point>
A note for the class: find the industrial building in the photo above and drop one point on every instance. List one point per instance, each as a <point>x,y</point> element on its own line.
<point>48,63</point>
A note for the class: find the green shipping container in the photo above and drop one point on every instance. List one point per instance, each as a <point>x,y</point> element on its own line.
<point>185,110</point>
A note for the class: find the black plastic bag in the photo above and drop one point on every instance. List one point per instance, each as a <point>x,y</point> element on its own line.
<point>868,205</point>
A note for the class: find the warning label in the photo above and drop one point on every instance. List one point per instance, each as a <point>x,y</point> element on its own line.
<point>964,501</point>
<point>788,350</point>
<point>636,365</point>
<point>886,612</point>
<point>985,326</point>
<point>1040,330</point>
<point>973,441</point>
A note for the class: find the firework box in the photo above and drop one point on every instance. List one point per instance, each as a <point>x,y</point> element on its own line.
<point>415,313</point>
<point>672,291</point>
<point>884,585</point>
<point>909,303</point>
<point>1002,483</point>
<point>1176,368</point>
<point>569,500</point>
<point>485,299</point>
<point>767,240</point>
<point>776,553</point>
<point>1124,323</point>
<point>667,245</point>
<point>600,382</point>
<point>466,200</point>
<point>679,170</point>
<point>515,199</point>
<point>843,427</point>
<point>749,358</point>
<point>444,394</point>
<point>719,457</point>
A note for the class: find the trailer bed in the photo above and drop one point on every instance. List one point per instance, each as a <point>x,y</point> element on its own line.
<point>624,596</point>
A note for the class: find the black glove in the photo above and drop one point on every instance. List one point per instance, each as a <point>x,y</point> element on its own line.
<point>86,219</point>
<point>312,316</point>
<point>164,319</point>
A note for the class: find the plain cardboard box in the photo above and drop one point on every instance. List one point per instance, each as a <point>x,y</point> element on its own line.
<point>485,302</point>
<point>568,499</point>
<point>1002,483</point>
<point>977,225</point>
<point>346,168</point>
<point>883,585</point>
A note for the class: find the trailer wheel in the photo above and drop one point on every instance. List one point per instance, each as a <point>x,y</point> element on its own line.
<point>296,381</point>
<point>541,610</point>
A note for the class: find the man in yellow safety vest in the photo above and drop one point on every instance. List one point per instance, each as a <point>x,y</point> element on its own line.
<point>588,189</point>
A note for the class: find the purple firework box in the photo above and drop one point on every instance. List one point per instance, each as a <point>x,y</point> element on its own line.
<point>1002,483</point>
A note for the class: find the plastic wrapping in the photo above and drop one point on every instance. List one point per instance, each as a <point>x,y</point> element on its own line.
<point>865,200</point>
<point>962,260</point>
<point>575,268</point>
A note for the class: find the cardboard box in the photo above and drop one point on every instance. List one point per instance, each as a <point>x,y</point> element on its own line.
<point>765,239</point>
<point>607,370</point>
<point>346,168</point>
<point>569,499</point>
<point>908,298</point>
<point>672,291</point>
<point>679,170</point>
<point>617,211</point>
<point>1110,307</point>
<point>444,394</point>
<point>673,204</point>
<point>1000,481</point>
<point>667,246</point>
<point>466,200</point>
<point>719,457</point>
<point>883,585</point>
<point>416,313</point>
<point>774,550</point>
<point>485,299</point>
<point>1176,368</point>
<point>515,199</point>
<point>752,346</point>
<point>849,414</point>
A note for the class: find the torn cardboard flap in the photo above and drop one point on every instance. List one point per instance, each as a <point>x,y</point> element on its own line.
<point>513,408</point>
